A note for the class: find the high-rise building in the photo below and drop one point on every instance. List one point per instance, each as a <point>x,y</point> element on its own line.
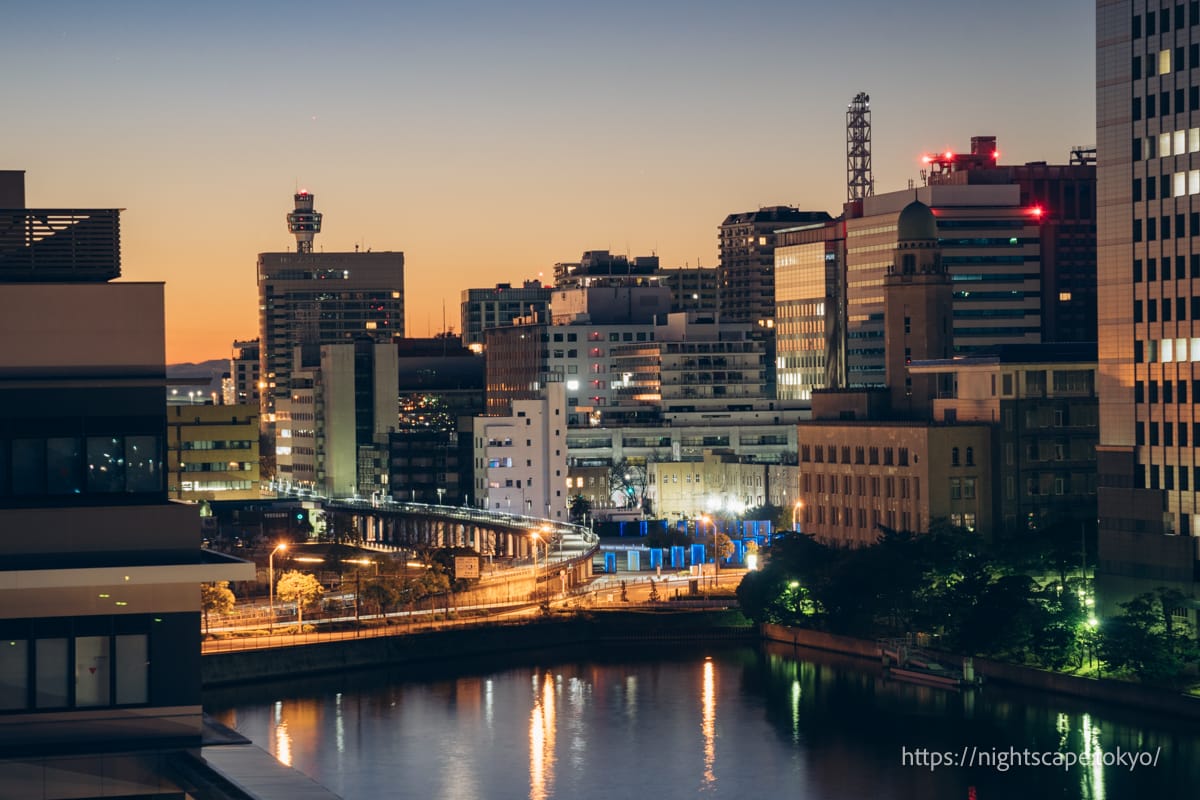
<point>1148,269</point>
<point>990,245</point>
<point>498,306</point>
<point>212,452</point>
<point>100,605</point>
<point>314,298</point>
<point>747,252</point>
<point>332,430</point>
<point>244,373</point>
<point>810,343</point>
<point>692,288</point>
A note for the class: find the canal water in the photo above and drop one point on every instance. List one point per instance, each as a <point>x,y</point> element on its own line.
<point>713,722</point>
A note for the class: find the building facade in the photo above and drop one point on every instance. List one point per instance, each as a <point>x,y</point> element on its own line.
<point>521,458</point>
<point>746,245</point>
<point>1148,268</point>
<point>332,430</point>
<point>99,603</point>
<point>212,452</point>
<point>315,298</point>
<point>497,307</point>
<point>810,340</point>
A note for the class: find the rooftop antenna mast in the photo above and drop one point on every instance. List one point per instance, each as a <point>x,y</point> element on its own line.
<point>859,182</point>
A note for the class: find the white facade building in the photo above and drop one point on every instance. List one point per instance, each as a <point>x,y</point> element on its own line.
<point>521,459</point>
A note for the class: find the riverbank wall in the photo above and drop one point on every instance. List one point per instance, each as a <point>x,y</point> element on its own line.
<point>1105,690</point>
<point>267,664</point>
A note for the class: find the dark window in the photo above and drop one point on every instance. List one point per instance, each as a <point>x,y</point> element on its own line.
<point>1150,109</point>
<point>1137,230</point>
<point>1179,65</point>
<point>1166,234</point>
<point>1139,392</point>
<point>1181,308</point>
<point>1137,27</point>
<point>1137,190</point>
<point>1150,23</point>
<point>1151,187</point>
<point>1196,308</point>
<point>1168,391</point>
<point>1151,235</point>
<point>1137,143</point>
<point>1193,98</point>
<point>1179,16</point>
<point>1153,391</point>
<point>1136,110</point>
<point>1137,67</point>
<point>1194,12</point>
<point>1137,310</point>
<point>1183,399</point>
<point>1164,100</point>
<point>1137,270</point>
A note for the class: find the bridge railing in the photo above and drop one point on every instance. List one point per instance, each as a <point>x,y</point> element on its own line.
<point>464,513</point>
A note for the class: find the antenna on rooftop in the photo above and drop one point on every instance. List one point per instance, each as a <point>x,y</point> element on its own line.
<point>859,181</point>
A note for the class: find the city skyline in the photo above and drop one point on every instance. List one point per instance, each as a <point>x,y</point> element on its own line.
<point>488,143</point>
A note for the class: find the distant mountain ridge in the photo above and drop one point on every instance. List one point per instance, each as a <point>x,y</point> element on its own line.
<point>204,369</point>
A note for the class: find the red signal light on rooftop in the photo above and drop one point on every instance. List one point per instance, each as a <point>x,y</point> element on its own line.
<point>1037,211</point>
<point>995,155</point>
<point>948,155</point>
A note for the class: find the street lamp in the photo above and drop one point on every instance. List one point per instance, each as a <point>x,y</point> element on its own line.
<point>271,582</point>
<point>799,504</point>
<point>535,536</point>
<point>716,556</point>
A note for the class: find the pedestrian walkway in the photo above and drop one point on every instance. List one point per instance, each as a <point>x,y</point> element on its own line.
<point>258,774</point>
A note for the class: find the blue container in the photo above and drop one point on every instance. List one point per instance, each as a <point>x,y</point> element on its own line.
<point>633,560</point>
<point>678,556</point>
<point>656,557</point>
<point>698,554</point>
<point>610,562</point>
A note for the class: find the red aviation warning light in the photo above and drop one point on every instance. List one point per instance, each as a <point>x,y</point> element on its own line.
<point>1037,212</point>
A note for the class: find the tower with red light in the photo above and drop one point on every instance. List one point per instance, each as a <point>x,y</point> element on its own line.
<point>303,222</point>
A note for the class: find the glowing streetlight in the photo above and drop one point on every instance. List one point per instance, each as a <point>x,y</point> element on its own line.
<point>271,581</point>
<point>796,507</point>
<point>535,536</point>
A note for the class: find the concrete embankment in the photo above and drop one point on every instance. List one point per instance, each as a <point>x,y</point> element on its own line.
<point>223,669</point>
<point>1105,690</point>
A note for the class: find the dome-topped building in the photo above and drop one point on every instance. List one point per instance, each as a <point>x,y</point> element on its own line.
<point>916,223</point>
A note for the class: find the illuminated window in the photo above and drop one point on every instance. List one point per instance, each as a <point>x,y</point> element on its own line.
<point>1164,62</point>
<point>1180,145</point>
<point>1064,297</point>
<point>1164,145</point>
<point>1179,182</point>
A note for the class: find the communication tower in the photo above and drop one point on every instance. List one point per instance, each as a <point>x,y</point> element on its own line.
<point>859,182</point>
<point>304,222</point>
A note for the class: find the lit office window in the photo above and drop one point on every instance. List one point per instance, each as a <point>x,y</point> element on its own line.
<point>1164,62</point>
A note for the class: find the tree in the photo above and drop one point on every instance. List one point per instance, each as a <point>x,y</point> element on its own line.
<point>628,480</point>
<point>580,507</point>
<point>382,594</point>
<point>302,589</point>
<point>654,597</point>
<point>1145,641</point>
<point>217,598</point>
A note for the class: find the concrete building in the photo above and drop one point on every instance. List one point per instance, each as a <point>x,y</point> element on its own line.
<point>99,597</point>
<point>497,307</point>
<point>991,247</point>
<point>692,288</point>
<point>720,483</point>
<point>332,431</point>
<point>856,477</point>
<point>244,374</point>
<point>1148,268</point>
<point>212,452</point>
<point>747,260</point>
<point>521,458</point>
<point>315,298</point>
<point>1041,403</point>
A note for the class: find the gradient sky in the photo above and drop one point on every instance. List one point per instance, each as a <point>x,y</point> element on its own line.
<point>487,139</point>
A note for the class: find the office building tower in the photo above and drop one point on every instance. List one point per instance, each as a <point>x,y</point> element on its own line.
<point>332,429</point>
<point>810,324</point>
<point>990,247</point>
<point>483,309</point>
<point>100,604</point>
<point>1148,268</point>
<point>747,253</point>
<point>315,298</point>
<point>244,373</point>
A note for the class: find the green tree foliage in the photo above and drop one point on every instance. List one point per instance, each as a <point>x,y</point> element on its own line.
<point>442,560</point>
<point>216,598</point>
<point>654,596</point>
<point>779,516</point>
<point>579,508</point>
<point>300,588</point>
<point>1147,641</point>
<point>944,583</point>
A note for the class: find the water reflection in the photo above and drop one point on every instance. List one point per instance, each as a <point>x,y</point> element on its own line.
<point>623,723</point>
<point>543,728</point>
<point>708,721</point>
